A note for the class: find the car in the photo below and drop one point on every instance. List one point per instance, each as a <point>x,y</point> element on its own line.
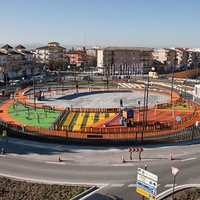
<point>14,82</point>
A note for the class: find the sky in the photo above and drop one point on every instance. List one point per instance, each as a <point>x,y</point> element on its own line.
<point>126,23</point>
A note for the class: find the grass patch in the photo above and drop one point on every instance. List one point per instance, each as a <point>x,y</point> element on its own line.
<point>27,115</point>
<point>13,189</point>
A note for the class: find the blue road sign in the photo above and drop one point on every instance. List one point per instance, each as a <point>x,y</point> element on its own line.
<point>147,188</point>
<point>178,118</point>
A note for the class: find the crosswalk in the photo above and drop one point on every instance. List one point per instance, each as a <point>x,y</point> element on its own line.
<point>142,86</point>
<point>131,85</point>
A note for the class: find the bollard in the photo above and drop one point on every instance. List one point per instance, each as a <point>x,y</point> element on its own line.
<point>123,159</point>
<point>59,159</point>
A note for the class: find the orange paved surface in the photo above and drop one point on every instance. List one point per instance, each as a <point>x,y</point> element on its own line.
<point>19,95</point>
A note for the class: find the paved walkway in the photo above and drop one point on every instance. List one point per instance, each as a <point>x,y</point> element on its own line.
<point>100,99</point>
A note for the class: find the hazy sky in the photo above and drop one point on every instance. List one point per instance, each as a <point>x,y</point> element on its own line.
<point>135,23</point>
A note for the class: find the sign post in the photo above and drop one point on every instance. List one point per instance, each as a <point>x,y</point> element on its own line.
<point>131,150</point>
<point>146,183</point>
<point>175,171</point>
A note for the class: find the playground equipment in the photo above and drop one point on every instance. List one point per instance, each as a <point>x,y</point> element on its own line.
<point>112,120</point>
<point>127,117</point>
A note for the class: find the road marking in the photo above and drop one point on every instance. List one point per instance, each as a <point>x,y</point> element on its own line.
<point>123,164</point>
<point>2,155</point>
<point>189,159</point>
<point>57,163</point>
<point>116,185</point>
<point>169,185</point>
<point>132,185</point>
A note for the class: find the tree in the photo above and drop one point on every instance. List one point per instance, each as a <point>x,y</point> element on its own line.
<point>58,66</point>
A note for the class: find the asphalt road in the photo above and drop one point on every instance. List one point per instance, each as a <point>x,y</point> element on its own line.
<point>100,166</point>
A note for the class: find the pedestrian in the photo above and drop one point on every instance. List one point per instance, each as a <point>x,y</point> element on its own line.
<point>4,134</point>
<point>121,103</point>
<point>2,151</point>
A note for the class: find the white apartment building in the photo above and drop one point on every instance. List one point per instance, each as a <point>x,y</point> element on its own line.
<point>50,53</point>
<point>13,60</point>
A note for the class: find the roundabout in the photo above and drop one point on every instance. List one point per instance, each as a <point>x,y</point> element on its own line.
<point>91,165</point>
<point>92,116</point>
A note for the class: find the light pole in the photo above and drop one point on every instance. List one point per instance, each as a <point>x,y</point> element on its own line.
<point>186,80</point>
<point>145,110</point>
<point>172,83</point>
<point>34,89</point>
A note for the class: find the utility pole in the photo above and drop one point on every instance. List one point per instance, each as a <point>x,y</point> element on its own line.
<point>172,88</point>
<point>145,107</point>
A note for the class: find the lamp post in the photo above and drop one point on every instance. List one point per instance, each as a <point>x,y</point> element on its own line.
<point>186,80</point>
<point>34,102</point>
<point>172,88</point>
<point>145,110</point>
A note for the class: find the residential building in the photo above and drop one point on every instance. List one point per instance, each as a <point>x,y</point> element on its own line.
<point>77,57</point>
<point>177,58</point>
<point>124,60</point>
<point>15,60</point>
<point>50,53</point>
<point>3,59</point>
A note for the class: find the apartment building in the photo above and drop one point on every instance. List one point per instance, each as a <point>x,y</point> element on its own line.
<point>124,60</point>
<point>50,53</point>
<point>77,57</point>
<point>3,59</point>
<point>177,58</point>
<point>12,60</point>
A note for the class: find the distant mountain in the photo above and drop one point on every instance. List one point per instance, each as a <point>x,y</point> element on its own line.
<point>36,45</point>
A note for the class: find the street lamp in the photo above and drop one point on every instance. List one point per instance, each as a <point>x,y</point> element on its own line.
<point>172,82</point>
<point>145,110</point>
<point>34,102</point>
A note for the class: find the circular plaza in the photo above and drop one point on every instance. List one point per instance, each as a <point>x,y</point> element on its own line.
<point>94,115</point>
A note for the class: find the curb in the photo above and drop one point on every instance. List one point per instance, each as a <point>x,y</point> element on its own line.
<point>78,197</point>
<point>169,192</point>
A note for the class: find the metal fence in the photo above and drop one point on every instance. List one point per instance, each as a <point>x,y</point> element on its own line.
<point>46,135</point>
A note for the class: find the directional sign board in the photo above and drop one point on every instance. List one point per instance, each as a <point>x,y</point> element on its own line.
<point>147,184</point>
<point>148,174</point>
<point>145,193</point>
<point>147,188</point>
<point>147,181</point>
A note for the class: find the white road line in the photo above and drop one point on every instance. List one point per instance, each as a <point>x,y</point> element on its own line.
<point>123,164</point>
<point>116,185</point>
<point>169,185</point>
<point>2,155</point>
<point>56,163</point>
<point>132,185</point>
<point>188,159</point>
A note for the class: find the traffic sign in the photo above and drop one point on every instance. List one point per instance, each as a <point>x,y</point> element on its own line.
<point>147,181</point>
<point>147,174</point>
<point>145,193</point>
<point>175,171</point>
<point>142,192</point>
<point>147,188</point>
<point>178,118</point>
<point>135,149</point>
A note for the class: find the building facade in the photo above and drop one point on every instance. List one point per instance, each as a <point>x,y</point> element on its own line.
<point>50,54</point>
<point>125,60</point>
<point>14,60</point>
<point>77,57</point>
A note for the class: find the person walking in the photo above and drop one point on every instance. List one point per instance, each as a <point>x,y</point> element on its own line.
<point>4,134</point>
